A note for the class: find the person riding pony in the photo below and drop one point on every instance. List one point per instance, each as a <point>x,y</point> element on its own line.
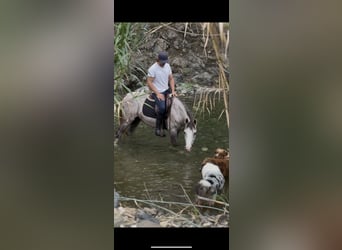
<point>161,83</point>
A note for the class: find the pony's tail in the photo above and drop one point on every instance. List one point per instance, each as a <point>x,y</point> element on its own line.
<point>121,119</point>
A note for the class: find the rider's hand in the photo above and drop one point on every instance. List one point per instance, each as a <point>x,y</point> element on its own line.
<point>160,96</point>
<point>174,93</point>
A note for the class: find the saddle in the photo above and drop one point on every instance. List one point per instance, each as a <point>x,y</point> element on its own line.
<point>150,108</point>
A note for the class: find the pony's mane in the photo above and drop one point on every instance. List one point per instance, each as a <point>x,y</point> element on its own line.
<point>188,112</point>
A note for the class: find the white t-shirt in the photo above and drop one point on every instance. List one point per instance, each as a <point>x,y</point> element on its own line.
<point>160,75</point>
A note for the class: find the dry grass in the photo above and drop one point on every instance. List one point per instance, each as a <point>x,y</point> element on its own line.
<point>218,34</point>
<point>176,214</point>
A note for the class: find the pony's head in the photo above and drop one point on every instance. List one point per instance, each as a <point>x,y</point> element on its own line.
<point>190,131</point>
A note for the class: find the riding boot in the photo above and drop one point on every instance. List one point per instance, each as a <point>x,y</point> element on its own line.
<point>159,131</point>
<point>164,122</point>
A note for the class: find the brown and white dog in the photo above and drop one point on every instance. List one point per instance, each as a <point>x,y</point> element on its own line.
<point>210,185</point>
<point>221,159</point>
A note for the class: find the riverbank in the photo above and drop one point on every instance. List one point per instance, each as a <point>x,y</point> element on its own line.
<point>143,213</point>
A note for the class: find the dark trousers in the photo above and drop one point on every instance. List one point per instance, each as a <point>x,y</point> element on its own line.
<point>161,104</point>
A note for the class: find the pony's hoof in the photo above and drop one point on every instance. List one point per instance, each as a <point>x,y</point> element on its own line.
<point>116,142</point>
<point>159,133</point>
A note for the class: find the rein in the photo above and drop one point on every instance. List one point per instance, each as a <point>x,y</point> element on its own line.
<point>170,96</point>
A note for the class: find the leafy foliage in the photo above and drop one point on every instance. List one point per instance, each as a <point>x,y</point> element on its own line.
<point>127,39</point>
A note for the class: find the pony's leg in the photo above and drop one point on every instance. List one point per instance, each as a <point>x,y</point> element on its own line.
<point>173,136</point>
<point>134,125</point>
<point>122,128</point>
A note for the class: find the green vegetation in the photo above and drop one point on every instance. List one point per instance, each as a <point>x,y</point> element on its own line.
<point>127,39</point>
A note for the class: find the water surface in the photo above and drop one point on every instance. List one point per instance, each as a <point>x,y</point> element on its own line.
<point>149,167</point>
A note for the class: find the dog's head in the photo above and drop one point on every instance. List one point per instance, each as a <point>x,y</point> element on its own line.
<point>206,190</point>
<point>221,153</point>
